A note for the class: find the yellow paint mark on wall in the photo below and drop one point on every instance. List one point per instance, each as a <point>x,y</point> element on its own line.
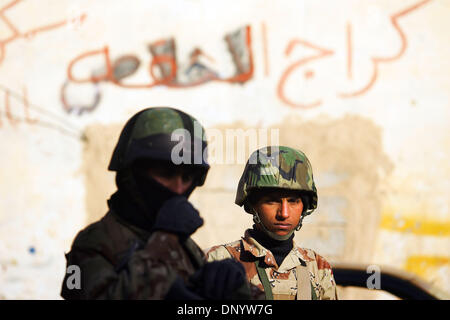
<point>426,265</point>
<point>415,226</point>
<point>435,270</point>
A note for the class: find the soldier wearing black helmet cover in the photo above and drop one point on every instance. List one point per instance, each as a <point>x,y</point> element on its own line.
<point>141,249</point>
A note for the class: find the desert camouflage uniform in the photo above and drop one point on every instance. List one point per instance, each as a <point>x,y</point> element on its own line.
<point>283,279</point>
<point>303,274</point>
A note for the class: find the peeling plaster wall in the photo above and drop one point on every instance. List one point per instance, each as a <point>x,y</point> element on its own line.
<point>361,87</point>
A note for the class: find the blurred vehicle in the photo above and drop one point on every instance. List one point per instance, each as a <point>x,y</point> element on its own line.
<point>401,284</point>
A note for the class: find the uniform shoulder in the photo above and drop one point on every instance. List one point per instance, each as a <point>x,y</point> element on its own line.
<point>220,252</point>
<point>310,255</point>
<point>324,284</point>
<point>91,237</point>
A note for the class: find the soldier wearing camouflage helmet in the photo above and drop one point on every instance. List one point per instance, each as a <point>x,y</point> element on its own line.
<point>277,188</point>
<point>141,249</point>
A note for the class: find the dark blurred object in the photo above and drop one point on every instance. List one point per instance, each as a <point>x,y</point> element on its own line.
<point>219,280</point>
<point>179,291</point>
<point>402,284</point>
<point>177,215</point>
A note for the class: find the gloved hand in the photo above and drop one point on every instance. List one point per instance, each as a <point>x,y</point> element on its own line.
<point>177,215</point>
<point>179,291</point>
<point>219,280</point>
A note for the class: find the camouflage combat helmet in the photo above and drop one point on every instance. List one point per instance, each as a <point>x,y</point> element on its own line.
<point>159,133</point>
<point>277,167</point>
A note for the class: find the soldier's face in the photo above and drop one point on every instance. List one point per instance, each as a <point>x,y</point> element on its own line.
<point>176,178</point>
<point>280,211</point>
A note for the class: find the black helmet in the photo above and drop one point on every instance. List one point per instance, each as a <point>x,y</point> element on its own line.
<point>162,133</point>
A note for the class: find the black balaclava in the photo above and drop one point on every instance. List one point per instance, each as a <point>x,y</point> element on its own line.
<point>279,249</point>
<point>138,200</point>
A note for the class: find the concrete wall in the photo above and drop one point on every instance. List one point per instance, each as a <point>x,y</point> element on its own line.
<point>362,87</point>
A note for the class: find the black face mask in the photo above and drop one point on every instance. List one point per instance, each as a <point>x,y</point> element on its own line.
<point>152,193</point>
<point>279,249</point>
<point>139,198</point>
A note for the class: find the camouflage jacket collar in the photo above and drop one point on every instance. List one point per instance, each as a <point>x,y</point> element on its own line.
<point>296,256</point>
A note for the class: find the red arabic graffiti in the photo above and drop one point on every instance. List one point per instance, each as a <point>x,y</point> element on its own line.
<point>322,52</point>
<point>165,69</point>
<point>376,61</point>
<point>14,120</point>
<point>19,113</point>
<point>164,59</point>
<point>17,34</point>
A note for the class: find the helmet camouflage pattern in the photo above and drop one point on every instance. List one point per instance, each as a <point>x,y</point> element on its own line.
<point>149,135</point>
<point>277,167</point>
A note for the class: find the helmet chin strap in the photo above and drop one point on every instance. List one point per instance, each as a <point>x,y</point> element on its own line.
<point>257,220</point>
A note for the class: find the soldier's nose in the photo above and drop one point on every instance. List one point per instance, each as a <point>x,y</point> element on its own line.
<point>283,212</point>
<point>178,185</point>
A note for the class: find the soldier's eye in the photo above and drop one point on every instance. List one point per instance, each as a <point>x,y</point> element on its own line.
<point>166,172</point>
<point>188,176</point>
